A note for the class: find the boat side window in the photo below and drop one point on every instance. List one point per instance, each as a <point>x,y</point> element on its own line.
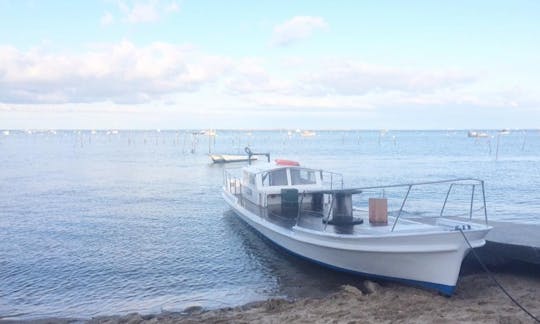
<point>265,179</point>
<point>252,179</point>
<point>278,177</point>
<point>303,177</point>
<point>246,178</point>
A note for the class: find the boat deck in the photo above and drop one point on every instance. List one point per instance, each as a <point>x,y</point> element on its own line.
<point>313,220</point>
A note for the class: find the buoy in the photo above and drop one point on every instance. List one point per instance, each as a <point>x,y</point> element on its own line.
<point>287,162</point>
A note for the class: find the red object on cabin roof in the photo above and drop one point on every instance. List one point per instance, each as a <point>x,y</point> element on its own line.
<point>287,162</point>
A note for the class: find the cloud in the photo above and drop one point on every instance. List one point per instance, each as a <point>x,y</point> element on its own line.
<point>296,29</point>
<point>249,76</point>
<point>358,78</point>
<point>344,78</point>
<point>320,103</point>
<point>348,84</point>
<point>121,73</point>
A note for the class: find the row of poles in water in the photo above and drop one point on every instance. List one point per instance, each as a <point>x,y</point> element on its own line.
<point>191,140</point>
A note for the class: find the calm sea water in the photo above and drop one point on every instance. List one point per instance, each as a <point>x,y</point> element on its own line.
<point>94,224</point>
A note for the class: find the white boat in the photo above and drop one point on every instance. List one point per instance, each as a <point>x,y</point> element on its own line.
<point>308,133</point>
<point>208,132</point>
<point>308,213</point>
<point>229,158</point>
<point>477,134</point>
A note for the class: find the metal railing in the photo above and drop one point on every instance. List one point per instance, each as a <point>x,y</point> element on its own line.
<point>452,183</point>
<point>232,183</point>
<point>338,177</point>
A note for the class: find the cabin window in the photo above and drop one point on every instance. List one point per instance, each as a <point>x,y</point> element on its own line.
<point>278,177</point>
<point>246,178</point>
<point>303,177</point>
<point>249,179</point>
<point>265,179</point>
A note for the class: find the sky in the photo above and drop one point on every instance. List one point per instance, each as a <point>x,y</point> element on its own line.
<point>172,64</point>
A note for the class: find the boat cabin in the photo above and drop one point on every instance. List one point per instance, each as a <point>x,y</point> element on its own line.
<point>282,180</point>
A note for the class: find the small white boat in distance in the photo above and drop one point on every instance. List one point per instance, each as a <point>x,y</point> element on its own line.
<point>229,158</point>
<point>308,213</point>
<point>477,134</point>
<point>209,132</point>
<point>308,133</point>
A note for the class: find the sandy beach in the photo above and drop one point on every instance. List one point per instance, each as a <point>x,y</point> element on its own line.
<point>476,300</point>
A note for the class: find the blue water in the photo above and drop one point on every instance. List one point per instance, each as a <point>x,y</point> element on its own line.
<point>94,224</point>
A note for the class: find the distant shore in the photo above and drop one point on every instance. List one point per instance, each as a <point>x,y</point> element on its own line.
<point>476,300</point>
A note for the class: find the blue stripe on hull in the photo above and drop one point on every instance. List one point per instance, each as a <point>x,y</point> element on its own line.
<point>444,289</point>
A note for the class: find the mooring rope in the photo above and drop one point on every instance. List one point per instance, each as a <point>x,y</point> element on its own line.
<point>495,280</point>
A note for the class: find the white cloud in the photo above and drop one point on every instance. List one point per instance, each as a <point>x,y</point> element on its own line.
<point>296,29</point>
<point>250,77</point>
<point>358,78</point>
<point>320,103</point>
<point>124,73</point>
<point>338,78</point>
<point>121,73</point>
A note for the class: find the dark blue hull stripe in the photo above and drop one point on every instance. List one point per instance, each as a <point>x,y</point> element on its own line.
<point>444,289</point>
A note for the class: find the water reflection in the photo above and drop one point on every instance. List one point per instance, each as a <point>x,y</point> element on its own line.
<point>295,277</point>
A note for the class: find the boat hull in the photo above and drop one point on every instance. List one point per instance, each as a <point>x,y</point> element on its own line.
<point>431,260</point>
<point>229,158</point>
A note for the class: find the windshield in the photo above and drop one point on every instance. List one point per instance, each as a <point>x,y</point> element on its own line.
<point>303,177</point>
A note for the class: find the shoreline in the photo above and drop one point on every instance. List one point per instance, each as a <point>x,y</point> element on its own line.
<point>476,300</point>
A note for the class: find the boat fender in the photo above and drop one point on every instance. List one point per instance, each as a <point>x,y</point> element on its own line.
<point>287,162</point>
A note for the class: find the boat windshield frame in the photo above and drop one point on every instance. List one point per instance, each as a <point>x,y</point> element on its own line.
<point>334,179</point>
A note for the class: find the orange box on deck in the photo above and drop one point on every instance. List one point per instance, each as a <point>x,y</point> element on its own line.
<point>378,211</point>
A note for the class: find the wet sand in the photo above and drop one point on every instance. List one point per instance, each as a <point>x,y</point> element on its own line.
<point>476,300</point>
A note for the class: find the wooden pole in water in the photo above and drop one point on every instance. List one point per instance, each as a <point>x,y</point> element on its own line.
<point>209,142</point>
<point>497,149</point>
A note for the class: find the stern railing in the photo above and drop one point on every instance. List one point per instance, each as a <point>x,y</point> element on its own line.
<point>472,182</point>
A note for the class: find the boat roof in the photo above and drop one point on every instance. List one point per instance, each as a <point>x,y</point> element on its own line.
<point>261,167</point>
